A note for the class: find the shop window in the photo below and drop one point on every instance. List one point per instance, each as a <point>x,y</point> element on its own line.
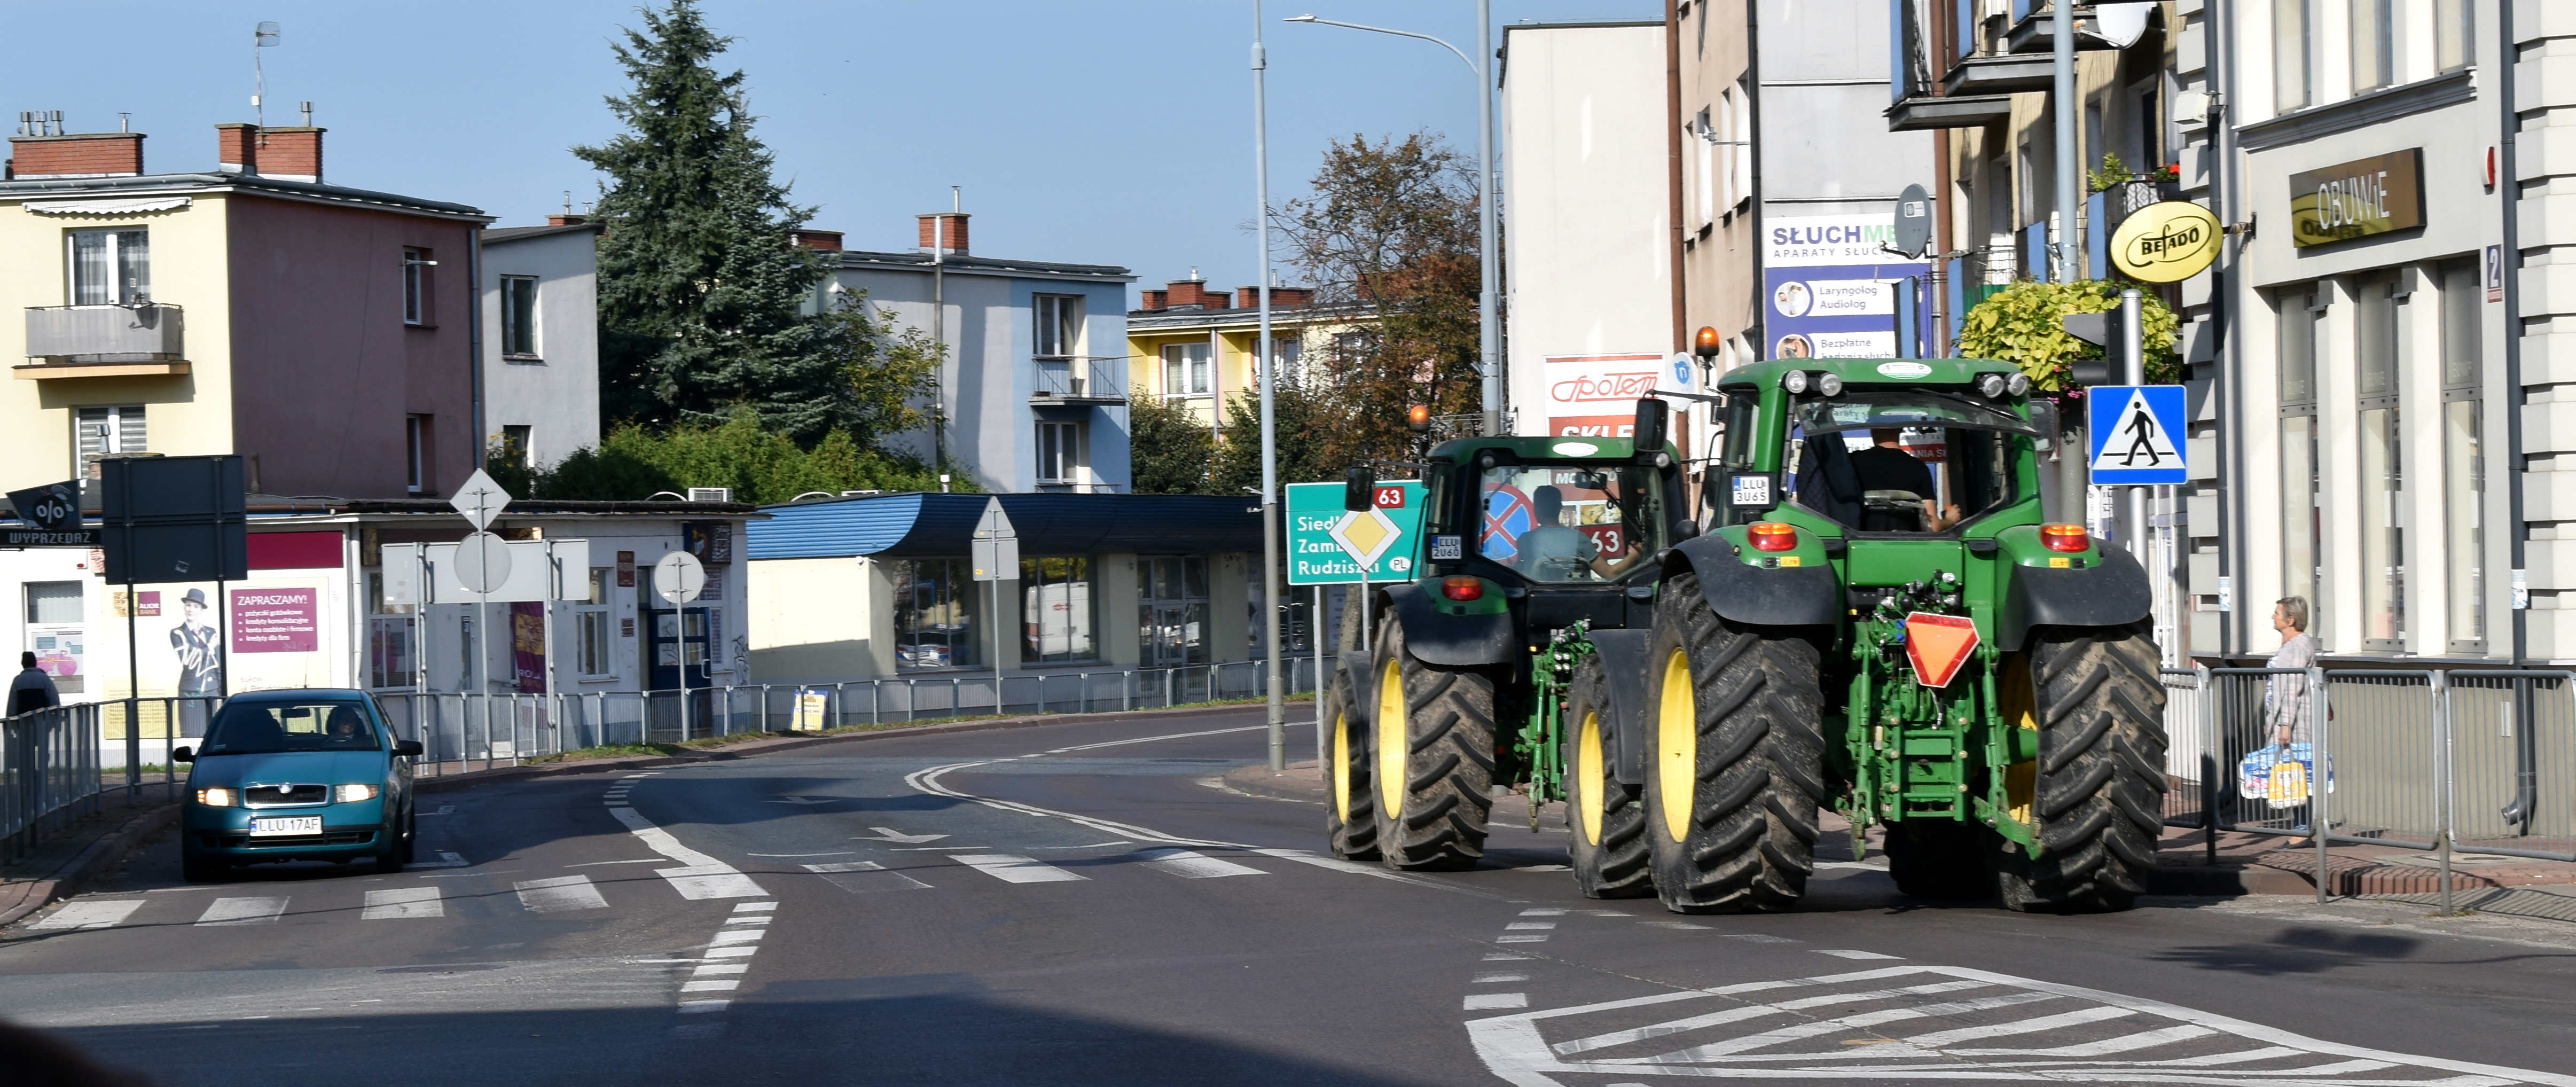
<point>2464,466</point>
<point>57,632</point>
<point>2301,532</point>
<point>1172,610</point>
<point>393,640</point>
<point>2383,484</point>
<point>938,614</point>
<point>1056,612</point>
<point>593,651</point>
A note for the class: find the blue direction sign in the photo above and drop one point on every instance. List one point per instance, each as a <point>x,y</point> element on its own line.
<point>1329,545</point>
<point>2137,434</point>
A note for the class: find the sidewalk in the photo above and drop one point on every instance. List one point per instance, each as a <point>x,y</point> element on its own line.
<point>68,857</point>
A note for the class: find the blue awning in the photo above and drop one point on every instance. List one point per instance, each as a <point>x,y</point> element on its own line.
<point>920,525</point>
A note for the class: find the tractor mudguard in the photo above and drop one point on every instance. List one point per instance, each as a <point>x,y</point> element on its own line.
<point>1782,597</point>
<point>1361,682</point>
<point>1449,639</point>
<point>2109,593</point>
<point>1623,658</point>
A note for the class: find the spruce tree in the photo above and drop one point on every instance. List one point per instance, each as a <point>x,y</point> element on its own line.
<point>702,295</point>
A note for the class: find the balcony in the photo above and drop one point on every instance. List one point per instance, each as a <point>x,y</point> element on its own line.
<point>103,341</point>
<point>1080,381</point>
<point>2034,24</point>
<point>1920,105</point>
<point>2001,73</point>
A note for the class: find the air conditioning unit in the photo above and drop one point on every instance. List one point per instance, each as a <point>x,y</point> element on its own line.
<point>710,494</point>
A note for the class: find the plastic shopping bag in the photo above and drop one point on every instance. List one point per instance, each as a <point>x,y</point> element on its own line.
<point>2282,776</point>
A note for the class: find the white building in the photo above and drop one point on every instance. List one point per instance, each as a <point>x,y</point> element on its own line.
<point>540,291</point>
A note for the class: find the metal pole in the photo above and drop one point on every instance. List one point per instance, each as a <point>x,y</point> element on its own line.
<point>483,666</point>
<point>939,336</point>
<point>1315,633</point>
<point>2134,371</point>
<point>1488,326</point>
<point>996,623</point>
<point>2442,799</point>
<point>1269,379</point>
<point>2320,827</point>
<point>2061,35</point>
<point>680,647</point>
<point>134,705</point>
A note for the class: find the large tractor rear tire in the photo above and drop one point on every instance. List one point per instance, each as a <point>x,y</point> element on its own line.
<point>2097,796</point>
<point>1739,758</point>
<point>1606,821</point>
<point>1432,745</point>
<point>1350,812</point>
<point>1941,860</point>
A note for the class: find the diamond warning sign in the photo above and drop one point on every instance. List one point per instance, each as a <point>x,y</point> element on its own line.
<point>2137,434</point>
<point>1937,645</point>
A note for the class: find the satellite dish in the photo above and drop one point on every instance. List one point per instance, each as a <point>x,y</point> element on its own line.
<point>266,34</point>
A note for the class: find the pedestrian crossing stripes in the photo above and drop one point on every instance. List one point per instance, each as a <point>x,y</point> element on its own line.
<point>102,914</point>
<point>1012,868</point>
<point>242,911</point>
<point>560,894</point>
<point>403,902</point>
<point>1189,864</point>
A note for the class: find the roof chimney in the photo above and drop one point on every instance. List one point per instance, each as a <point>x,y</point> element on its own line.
<point>828,241</point>
<point>1155,299</point>
<point>237,148</point>
<point>1193,292</point>
<point>291,154</point>
<point>44,151</point>
<point>560,219</point>
<point>950,228</point>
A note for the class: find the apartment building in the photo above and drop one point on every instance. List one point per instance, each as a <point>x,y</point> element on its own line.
<point>541,339</point>
<point>1195,346</point>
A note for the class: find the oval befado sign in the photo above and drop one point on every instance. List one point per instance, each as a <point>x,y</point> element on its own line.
<point>2166,242</point>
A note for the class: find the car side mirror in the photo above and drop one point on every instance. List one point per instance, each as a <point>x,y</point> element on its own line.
<point>183,754</point>
<point>409,749</point>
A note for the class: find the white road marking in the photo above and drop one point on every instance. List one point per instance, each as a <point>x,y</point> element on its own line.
<point>750,919</point>
<point>1150,739</point>
<point>559,894</point>
<point>595,864</point>
<point>709,986</point>
<point>701,1007</point>
<point>1559,913</point>
<point>1671,924</point>
<point>1012,868</point>
<point>846,866</point>
<point>1189,864</point>
<point>1855,954</point>
<point>1491,979</point>
<point>864,877</point>
<point>107,913</point>
<point>703,877</point>
<point>731,952</point>
<point>739,936</point>
<point>1500,956</point>
<point>1517,926</point>
<point>719,968</point>
<point>889,834</point>
<point>401,902</point>
<point>1492,1001</point>
<point>1522,938</point>
<point>242,911</point>
<point>755,907</point>
<point>1768,1030</point>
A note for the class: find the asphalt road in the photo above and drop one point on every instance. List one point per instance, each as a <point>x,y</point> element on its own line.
<point>1082,904</point>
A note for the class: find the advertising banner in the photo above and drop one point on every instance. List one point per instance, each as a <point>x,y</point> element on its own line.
<point>276,621</point>
<point>528,646</point>
<point>1595,396</point>
<point>1829,288</point>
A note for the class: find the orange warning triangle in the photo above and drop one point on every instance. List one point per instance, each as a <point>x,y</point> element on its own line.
<point>1938,645</point>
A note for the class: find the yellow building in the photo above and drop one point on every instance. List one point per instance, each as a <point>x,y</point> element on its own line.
<point>1195,347</point>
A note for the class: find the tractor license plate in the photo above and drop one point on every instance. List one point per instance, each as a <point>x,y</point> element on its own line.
<point>297,824</point>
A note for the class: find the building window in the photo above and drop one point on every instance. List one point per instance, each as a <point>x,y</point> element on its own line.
<point>2454,34</point>
<point>1172,611</point>
<point>1287,353</point>
<point>1055,611</point>
<point>1739,153</point>
<point>2292,73</point>
<point>2374,54</point>
<point>518,314</point>
<point>1063,453</point>
<point>1059,331</point>
<point>415,460</point>
<point>938,614</point>
<point>1706,161</point>
<point>2383,489</point>
<point>514,444</point>
<point>415,281</point>
<point>392,639</point>
<point>2464,470</point>
<point>2301,532</point>
<point>111,267</point>
<point>1185,369</point>
<point>106,431</point>
<point>593,652</point>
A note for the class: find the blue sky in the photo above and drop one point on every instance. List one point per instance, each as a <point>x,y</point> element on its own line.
<point>1106,131</point>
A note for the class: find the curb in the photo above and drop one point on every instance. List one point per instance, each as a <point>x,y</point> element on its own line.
<point>1257,780</point>
<point>451,782</point>
<point>88,863</point>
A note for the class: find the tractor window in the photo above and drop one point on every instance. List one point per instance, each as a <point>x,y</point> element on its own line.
<point>1735,453</point>
<point>1570,523</point>
<point>1887,463</point>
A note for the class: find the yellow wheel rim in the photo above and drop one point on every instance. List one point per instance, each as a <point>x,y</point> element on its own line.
<point>1587,774</point>
<point>1342,766</point>
<point>1391,743</point>
<point>1677,746</point>
<point>2019,703</point>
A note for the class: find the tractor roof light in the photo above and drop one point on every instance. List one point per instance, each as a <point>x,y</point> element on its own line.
<point>1707,344</point>
<point>1772,536</point>
<point>2017,385</point>
<point>1829,384</point>
<point>1992,386</point>
<point>2064,538</point>
<point>1462,588</point>
<point>1417,418</point>
<point>1795,381</point>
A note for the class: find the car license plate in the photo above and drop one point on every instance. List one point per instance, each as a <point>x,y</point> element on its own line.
<point>298,824</point>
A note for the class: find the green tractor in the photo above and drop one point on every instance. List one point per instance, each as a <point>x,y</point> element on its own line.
<point>1868,613</point>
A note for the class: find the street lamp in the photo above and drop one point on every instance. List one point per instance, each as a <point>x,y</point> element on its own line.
<point>1487,334</point>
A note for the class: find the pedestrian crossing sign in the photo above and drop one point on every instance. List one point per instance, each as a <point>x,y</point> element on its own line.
<point>2136,434</point>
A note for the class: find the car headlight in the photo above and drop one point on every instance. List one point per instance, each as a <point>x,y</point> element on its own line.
<point>217,798</point>
<point>348,793</point>
<point>2018,384</point>
<point>1794,381</point>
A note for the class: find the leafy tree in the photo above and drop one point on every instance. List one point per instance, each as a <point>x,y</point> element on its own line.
<point>761,465</point>
<point>1304,426</point>
<point>2023,325</point>
<point>702,298</point>
<point>1391,226</point>
<point>1169,449</point>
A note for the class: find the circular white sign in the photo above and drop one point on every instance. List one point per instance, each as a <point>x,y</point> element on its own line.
<point>1908,370</point>
<point>482,562</point>
<point>679,577</point>
<point>1793,299</point>
<point>1576,449</point>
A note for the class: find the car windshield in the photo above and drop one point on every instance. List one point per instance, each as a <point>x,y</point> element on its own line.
<point>1569,522</point>
<point>268,726</point>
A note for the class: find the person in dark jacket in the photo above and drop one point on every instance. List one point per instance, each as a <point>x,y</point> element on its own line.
<point>33,689</point>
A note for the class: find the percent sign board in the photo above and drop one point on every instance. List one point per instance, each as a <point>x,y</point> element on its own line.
<point>1329,545</point>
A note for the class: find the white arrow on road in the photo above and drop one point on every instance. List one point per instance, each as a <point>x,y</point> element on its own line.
<point>889,834</point>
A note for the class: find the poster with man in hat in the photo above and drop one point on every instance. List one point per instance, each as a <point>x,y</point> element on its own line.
<point>201,667</point>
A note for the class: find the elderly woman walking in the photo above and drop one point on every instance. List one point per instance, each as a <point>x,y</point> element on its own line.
<point>2289,707</point>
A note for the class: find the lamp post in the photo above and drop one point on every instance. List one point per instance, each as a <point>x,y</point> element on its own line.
<point>1264,366</point>
<point>1487,329</point>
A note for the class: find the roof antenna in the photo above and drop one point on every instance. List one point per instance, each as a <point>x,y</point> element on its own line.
<point>567,201</point>
<point>261,37</point>
<point>956,198</point>
<point>308,113</point>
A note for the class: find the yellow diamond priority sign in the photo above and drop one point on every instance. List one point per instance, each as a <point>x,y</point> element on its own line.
<point>1366,535</point>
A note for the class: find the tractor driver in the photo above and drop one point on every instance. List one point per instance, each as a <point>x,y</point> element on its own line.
<point>1886,466</point>
<point>1550,551</point>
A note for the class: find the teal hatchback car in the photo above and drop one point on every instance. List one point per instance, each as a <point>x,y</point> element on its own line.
<point>296,775</point>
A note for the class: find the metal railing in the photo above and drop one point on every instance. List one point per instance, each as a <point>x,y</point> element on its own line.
<point>2464,760</point>
<point>149,331</point>
<point>57,764</point>
<point>1083,378</point>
